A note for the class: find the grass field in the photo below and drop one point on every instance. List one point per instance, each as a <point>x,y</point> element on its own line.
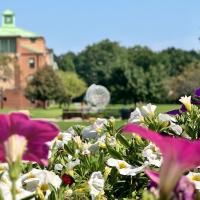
<point>55,112</point>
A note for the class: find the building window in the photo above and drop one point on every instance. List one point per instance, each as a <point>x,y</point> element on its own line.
<point>33,40</point>
<point>9,19</point>
<point>31,63</point>
<point>7,45</point>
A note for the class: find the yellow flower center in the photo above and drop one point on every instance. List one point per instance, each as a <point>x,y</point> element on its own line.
<point>102,145</point>
<point>18,191</point>
<point>196,177</point>
<point>44,187</point>
<point>98,130</point>
<point>122,165</point>
<point>60,137</point>
<point>30,175</point>
<point>154,149</point>
<point>2,169</point>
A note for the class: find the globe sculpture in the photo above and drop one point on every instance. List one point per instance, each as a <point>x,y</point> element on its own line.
<point>97,97</point>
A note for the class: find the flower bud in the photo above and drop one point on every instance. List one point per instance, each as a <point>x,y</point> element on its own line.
<point>15,147</point>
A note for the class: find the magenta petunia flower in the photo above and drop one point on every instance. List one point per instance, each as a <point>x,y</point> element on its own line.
<point>19,134</point>
<point>179,155</point>
<point>184,190</point>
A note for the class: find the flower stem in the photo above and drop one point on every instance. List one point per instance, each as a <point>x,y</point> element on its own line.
<point>13,190</point>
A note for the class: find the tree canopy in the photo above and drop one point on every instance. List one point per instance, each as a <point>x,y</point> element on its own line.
<point>44,86</point>
<point>72,86</point>
<point>131,74</point>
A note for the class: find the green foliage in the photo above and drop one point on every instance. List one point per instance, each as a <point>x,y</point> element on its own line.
<point>186,81</point>
<point>96,63</point>
<point>66,61</point>
<point>142,57</point>
<point>72,86</point>
<point>156,80</point>
<point>5,69</point>
<point>44,86</point>
<point>190,121</point>
<point>176,60</point>
<point>131,74</point>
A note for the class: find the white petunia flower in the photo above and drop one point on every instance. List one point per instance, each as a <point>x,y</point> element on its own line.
<point>124,168</point>
<point>89,132</point>
<point>88,148</point>
<point>73,163</point>
<point>101,142</point>
<point>195,178</point>
<point>112,141</point>
<point>148,109</point>
<point>5,187</point>
<point>153,155</point>
<point>58,167</point>
<point>99,123</point>
<point>136,116</point>
<point>40,179</point>
<point>176,128</point>
<point>165,117</point>
<point>92,132</point>
<point>96,184</point>
<point>186,101</point>
<point>65,137</point>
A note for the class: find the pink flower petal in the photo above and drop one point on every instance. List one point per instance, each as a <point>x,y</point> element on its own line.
<point>4,127</point>
<point>153,175</point>
<point>39,154</point>
<point>36,132</point>
<point>179,155</point>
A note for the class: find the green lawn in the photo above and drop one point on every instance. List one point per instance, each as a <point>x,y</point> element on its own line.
<point>56,112</point>
<point>65,125</point>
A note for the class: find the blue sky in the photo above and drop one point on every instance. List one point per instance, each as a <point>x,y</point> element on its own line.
<point>73,24</point>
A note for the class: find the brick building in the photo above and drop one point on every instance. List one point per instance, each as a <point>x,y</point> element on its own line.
<point>28,52</point>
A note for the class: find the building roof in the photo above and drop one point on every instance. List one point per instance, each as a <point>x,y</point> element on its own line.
<point>8,28</point>
<point>8,12</point>
<point>16,32</point>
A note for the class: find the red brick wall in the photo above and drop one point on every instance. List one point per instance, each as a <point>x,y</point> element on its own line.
<point>24,55</point>
<point>15,98</point>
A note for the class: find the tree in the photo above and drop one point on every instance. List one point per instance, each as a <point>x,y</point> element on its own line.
<point>96,63</point>
<point>131,74</point>
<point>66,61</point>
<point>186,82</point>
<point>176,60</point>
<point>5,74</point>
<point>142,57</point>
<point>73,87</point>
<point>156,84</point>
<point>5,69</point>
<point>44,86</point>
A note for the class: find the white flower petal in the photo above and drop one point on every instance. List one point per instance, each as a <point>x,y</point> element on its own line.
<point>166,117</point>
<point>96,184</point>
<point>136,116</point>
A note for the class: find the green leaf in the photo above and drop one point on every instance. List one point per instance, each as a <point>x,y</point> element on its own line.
<point>123,140</point>
<point>114,153</point>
